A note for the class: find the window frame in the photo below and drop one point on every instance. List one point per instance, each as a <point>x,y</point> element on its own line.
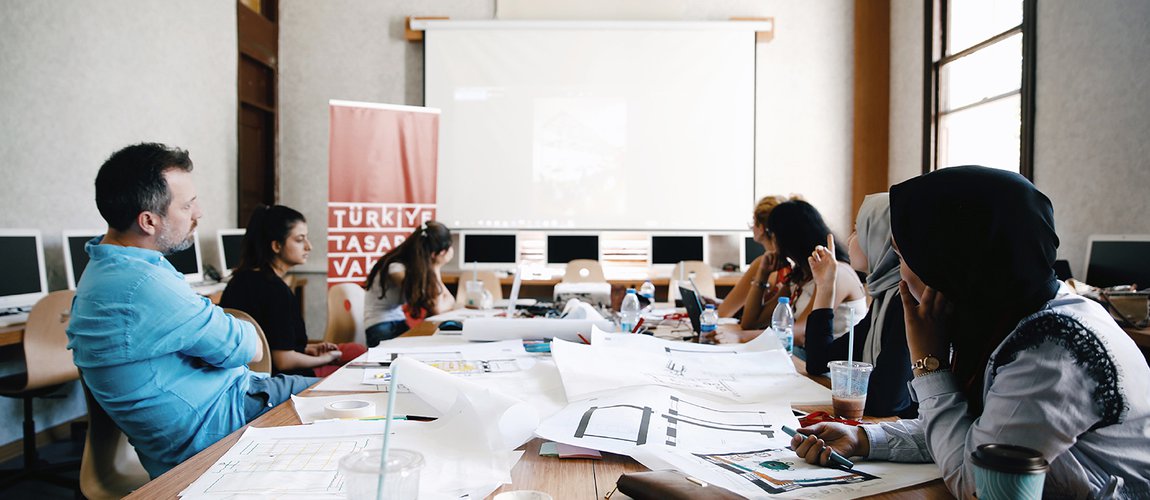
<point>935,25</point>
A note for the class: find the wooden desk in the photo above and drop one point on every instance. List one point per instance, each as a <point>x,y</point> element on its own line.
<point>562,478</point>
<point>11,335</point>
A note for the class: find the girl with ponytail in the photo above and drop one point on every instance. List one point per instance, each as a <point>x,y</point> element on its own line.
<point>405,285</point>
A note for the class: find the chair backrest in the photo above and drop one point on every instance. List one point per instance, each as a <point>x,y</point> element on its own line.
<point>584,271</point>
<point>490,281</point>
<point>264,365</point>
<point>696,270</point>
<point>49,362</point>
<point>110,467</point>
<point>345,314</point>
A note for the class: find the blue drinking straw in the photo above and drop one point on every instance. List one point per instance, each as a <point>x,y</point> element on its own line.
<point>391,390</point>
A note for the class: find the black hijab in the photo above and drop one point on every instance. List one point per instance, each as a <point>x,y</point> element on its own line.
<point>985,239</point>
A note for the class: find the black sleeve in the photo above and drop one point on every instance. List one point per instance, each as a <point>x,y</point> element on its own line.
<point>820,336</point>
<point>888,394</point>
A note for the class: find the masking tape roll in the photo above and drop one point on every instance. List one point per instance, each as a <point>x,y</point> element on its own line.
<point>350,408</point>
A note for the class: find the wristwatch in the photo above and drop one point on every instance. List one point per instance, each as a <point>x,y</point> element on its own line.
<point>761,284</point>
<point>927,364</point>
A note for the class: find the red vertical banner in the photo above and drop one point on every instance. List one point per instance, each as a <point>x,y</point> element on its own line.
<point>382,168</point>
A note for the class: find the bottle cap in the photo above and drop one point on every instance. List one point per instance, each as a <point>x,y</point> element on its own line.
<point>630,290</point>
<point>710,306</point>
<point>784,300</point>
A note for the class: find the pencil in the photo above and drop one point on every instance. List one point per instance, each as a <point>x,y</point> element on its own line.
<point>584,339</point>
<point>638,324</point>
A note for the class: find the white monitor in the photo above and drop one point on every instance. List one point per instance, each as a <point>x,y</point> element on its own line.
<point>1118,259</point>
<point>22,267</point>
<point>749,250</point>
<point>229,245</point>
<point>189,261</point>
<point>75,257</point>
<point>566,247</point>
<point>488,250</point>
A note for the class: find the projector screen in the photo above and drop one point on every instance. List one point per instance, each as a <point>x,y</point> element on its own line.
<point>590,128</point>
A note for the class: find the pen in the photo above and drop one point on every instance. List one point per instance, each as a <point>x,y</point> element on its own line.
<point>835,457</point>
<point>637,325</point>
<point>414,418</point>
<point>584,339</point>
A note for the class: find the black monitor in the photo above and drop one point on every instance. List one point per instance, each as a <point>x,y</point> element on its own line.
<point>675,249</point>
<point>1118,260</point>
<point>751,250</point>
<point>22,267</point>
<point>188,261</point>
<point>564,248</point>
<point>483,248</point>
<point>75,256</point>
<point>230,243</point>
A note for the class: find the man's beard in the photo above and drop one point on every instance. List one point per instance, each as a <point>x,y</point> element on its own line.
<point>168,244</point>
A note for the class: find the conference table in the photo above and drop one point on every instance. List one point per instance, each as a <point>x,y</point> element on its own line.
<point>562,478</point>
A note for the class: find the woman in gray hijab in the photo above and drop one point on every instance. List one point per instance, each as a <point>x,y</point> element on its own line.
<point>880,338</point>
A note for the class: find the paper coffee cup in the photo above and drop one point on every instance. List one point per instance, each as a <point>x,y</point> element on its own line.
<point>1004,471</point>
<point>349,408</point>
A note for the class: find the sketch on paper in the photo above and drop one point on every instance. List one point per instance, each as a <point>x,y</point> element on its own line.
<point>779,470</point>
<point>616,422</point>
<point>682,413</point>
<point>267,465</point>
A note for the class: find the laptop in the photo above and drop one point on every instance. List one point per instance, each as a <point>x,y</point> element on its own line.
<point>1118,260</point>
<point>694,307</point>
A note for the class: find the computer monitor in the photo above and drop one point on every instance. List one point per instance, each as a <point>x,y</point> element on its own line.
<point>751,251</point>
<point>674,249</point>
<point>564,248</point>
<point>230,243</point>
<point>488,250</point>
<point>23,279</point>
<point>1123,259</point>
<point>75,257</point>
<point>189,261</point>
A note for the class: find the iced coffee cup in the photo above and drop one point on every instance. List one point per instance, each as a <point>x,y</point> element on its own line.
<point>849,381</point>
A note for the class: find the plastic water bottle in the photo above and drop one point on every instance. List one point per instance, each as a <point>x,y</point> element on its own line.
<point>783,324</point>
<point>708,321</point>
<point>647,291</point>
<point>629,311</point>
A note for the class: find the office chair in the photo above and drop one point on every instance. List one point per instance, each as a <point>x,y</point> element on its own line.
<point>584,271</point>
<point>345,314</point>
<point>264,365</point>
<point>110,469</point>
<point>696,270</point>
<point>48,365</point>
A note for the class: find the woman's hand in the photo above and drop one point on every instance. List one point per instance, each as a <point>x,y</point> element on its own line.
<point>319,348</point>
<point>824,267</point>
<point>816,446</point>
<point>926,323</point>
<point>769,264</point>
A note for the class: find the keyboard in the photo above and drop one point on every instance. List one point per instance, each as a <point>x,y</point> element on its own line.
<point>14,319</point>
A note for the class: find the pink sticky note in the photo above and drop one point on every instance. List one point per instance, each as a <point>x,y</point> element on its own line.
<point>568,451</point>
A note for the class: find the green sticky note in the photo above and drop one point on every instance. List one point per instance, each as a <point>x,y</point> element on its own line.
<point>548,449</point>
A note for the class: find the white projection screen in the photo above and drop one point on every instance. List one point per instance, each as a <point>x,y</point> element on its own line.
<point>624,128</point>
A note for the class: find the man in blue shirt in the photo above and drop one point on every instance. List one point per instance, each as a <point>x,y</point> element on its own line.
<point>169,367</point>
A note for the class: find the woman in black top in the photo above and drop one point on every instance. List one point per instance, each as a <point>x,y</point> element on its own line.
<point>880,338</point>
<point>275,241</point>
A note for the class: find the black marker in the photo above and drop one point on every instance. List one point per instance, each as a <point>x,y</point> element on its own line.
<point>835,457</point>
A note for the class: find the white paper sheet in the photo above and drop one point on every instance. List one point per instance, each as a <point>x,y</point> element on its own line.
<point>454,350</point>
<point>658,416</point>
<point>737,373</point>
<point>484,329</point>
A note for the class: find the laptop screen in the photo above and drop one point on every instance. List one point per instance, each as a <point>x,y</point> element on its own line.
<point>694,307</point>
<point>1118,260</point>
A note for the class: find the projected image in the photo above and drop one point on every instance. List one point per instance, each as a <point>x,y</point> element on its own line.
<point>579,142</point>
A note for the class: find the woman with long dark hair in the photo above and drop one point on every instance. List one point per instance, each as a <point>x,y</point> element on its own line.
<point>1002,353</point>
<point>795,228</point>
<point>405,285</point>
<point>276,241</point>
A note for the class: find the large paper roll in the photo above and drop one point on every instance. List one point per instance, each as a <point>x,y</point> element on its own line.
<point>535,328</point>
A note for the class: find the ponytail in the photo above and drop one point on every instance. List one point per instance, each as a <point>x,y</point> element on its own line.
<point>420,286</point>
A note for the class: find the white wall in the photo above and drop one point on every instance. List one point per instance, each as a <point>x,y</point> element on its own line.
<point>1091,154</point>
<point>79,80</point>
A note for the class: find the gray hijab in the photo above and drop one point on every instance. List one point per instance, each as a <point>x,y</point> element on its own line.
<point>873,227</point>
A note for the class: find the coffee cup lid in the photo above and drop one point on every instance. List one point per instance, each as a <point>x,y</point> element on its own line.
<point>1010,459</point>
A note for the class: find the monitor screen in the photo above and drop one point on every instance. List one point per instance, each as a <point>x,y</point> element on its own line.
<point>675,249</point>
<point>751,250</point>
<point>188,261</point>
<point>1119,261</point>
<point>22,268</point>
<point>489,249</point>
<point>231,245</point>
<point>75,256</point>
<point>562,249</point>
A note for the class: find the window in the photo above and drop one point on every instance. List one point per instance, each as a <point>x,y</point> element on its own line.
<point>980,95</point>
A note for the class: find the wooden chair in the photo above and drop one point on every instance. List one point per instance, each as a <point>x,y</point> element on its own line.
<point>696,270</point>
<point>490,281</point>
<point>48,366</point>
<point>110,469</point>
<point>584,271</point>
<point>345,314</point>
<point>264,365</point>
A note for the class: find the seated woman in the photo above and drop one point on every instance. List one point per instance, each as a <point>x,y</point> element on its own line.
<point>1002,353</point>
<point>730,306</point>
<point>795,228</point>
<point>406,286</point>
<point>880,338</point>
<point>276,241</point>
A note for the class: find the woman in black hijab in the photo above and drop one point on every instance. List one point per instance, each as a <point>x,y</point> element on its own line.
<point>1002,353</point>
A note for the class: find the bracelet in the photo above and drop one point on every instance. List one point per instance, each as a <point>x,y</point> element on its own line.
<point>761,284</point>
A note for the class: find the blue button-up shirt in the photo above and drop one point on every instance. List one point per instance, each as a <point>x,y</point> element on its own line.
<point>169,367</point>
